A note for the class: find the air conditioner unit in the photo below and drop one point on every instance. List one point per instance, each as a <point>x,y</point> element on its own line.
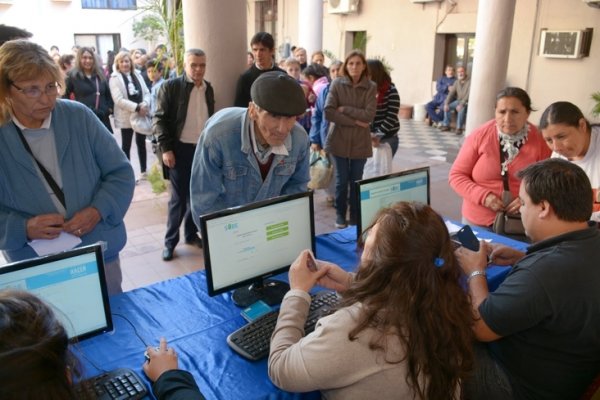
<point>343,6</point>
<point>592,3</point>
<point>425,1</point>
<point>565,44</point>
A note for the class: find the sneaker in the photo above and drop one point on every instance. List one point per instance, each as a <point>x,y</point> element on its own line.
<point>340,222</point>
<point>444,128</point>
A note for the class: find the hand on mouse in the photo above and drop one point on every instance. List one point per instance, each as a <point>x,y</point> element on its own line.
<point>159,360</point>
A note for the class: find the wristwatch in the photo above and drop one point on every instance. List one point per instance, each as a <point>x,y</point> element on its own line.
<point>476,273</point>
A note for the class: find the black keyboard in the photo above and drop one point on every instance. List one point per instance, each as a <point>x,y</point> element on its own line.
<point>120,384</point>
<point>253,340</point>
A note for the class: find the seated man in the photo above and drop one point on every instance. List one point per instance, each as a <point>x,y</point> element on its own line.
<point>246,155</point>
<point>543,321</point>
<point>457,99</point>
<point>435,108</point>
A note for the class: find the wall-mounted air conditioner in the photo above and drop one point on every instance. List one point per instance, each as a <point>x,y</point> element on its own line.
<point>565,44</point>
<point>425,1</point>
<point>592,3</point>
<point>343,6</point>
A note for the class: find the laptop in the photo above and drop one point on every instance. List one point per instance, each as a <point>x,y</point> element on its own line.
<point>72,283</point>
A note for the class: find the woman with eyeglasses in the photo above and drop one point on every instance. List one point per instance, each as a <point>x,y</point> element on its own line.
<point>62,175</point>
<point>87,84</point>
<point>403,327</point>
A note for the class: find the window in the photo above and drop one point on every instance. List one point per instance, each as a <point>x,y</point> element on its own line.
<point>101,42</point>
<point>110,4</point>
<point>460,49</point>
<point>266,17</point>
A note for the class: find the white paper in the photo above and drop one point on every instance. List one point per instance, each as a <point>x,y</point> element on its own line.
<point>64,241</point>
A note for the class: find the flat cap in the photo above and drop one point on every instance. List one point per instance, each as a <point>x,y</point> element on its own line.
<point>279,94</point>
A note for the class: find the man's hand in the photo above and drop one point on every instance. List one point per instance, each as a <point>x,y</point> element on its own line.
<point>161,360</point>
<point>446,108</point>
<point>168,159</point>
<point>459,107</point>
<point>315,147</point>
<point>471,261</point>
<point>83,222</point>
<point>45,226</point>
<point>504,255</point>
<point>300,276</point>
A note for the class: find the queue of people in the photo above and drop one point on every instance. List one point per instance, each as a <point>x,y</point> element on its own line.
<point>535,337</point>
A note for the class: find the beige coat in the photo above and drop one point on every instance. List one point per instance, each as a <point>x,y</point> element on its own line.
<point>345,138</point>
<point>123,106</point>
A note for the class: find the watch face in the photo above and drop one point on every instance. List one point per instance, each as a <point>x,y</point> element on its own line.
<point>334,3</point>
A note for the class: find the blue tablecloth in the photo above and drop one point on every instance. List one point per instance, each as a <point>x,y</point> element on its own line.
<point>197,326</point>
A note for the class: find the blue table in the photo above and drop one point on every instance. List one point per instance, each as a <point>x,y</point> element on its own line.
<point>197,326</point>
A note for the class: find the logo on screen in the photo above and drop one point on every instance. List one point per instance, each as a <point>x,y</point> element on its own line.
<point>231,226</point>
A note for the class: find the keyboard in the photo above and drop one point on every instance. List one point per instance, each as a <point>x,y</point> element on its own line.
<point>252,341</point>
<point>120,384</point>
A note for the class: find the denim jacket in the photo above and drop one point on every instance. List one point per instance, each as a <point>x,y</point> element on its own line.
<point>225,172</point>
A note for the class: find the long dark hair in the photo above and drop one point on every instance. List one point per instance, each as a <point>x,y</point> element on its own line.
<point>97,68</point>
<point>564,113</point>
<point>410,285</point>
<point>379,75</point>
<point>36,362</point>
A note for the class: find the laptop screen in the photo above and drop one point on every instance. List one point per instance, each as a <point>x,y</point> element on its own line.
<point>380,192</point>
<point>72,283</point>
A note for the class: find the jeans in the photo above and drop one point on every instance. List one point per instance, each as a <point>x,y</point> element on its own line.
<point>140,141</point>
<point>347,171</point>
<point>435,111</point>
<point>460,118</point>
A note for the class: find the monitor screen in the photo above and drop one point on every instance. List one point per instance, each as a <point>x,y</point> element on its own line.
<point>379,192</point>
<point>72,283</point>
<point>247,244</point>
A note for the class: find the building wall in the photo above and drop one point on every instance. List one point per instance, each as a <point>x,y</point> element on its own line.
<point>409,37</point>
<point>56,22</point>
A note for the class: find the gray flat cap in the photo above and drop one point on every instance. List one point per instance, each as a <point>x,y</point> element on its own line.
<point>279,94</point>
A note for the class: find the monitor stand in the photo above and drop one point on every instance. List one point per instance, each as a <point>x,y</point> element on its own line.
<point>270,291</point>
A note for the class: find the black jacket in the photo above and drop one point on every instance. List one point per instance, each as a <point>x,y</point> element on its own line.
<point>80,88</point>
<point>171,110</point>
<point>176,385</point>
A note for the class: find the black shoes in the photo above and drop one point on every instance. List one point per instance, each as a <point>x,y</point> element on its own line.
<point>194,242</point>
<point>167,254</point>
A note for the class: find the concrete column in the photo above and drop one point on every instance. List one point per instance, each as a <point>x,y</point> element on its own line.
<point>492,45</point>
<point>310,26</point>
<point>222,35</point>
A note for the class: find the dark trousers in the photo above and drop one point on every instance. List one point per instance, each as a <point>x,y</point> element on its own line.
<point>347,171</point>
<point>435,111</point>
<point>179,203</point>
<point>140,142</point>
<point>489,381</point>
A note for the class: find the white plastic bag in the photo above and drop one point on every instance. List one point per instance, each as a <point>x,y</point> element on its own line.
<point>380,163</point>
<point>141,123</point>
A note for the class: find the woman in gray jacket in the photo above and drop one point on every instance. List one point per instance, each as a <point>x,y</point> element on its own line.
<point>350,107</point>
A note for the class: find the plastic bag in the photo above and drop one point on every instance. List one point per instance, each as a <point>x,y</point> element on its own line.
<point>380,163</point>
<point>141,123</point>
<point>321,170</point>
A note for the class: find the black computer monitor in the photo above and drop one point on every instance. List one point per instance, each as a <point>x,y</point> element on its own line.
<point>381,191</point>
<point>72,283</point>
<point>243,246</point>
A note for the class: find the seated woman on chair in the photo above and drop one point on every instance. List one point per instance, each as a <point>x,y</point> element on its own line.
<point>403,329</point>
<point>37,363</point>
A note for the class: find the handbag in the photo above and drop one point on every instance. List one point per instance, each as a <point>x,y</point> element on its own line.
<point>321,170</point>
<point>141,123</point>
<point>507,224</point>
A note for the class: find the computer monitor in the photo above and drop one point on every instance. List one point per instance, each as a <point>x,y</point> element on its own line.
<point>381,191</point>
<point>72,283</point>
<point>243,246</point>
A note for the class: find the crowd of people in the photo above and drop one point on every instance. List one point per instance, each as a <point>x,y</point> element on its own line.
<point>416,319</point>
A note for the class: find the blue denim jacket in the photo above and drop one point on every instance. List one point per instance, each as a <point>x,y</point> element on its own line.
<point>225,172</point>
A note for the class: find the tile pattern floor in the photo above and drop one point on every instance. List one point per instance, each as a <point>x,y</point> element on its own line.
<point>141,260</point>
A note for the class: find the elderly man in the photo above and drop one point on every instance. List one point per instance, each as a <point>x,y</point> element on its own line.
<point>184,105</point>
<point>246,155</point>
<point>457,100</point>
<point>543,322</point>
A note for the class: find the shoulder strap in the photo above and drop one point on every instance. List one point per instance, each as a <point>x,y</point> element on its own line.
<point>504,174</point>
<point>55,188</point>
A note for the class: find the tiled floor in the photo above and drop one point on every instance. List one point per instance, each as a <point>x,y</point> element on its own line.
<point>141,260</point>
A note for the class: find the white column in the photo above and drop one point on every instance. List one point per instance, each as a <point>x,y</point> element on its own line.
<point>222,35</point>
<point>492,45</point>
<point>310,26</point>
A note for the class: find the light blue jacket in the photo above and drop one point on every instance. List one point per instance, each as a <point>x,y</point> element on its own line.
<point>95,172</point>
<point>225,172</point>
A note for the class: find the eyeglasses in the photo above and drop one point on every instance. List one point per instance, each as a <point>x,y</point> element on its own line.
<point>34,92</point>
